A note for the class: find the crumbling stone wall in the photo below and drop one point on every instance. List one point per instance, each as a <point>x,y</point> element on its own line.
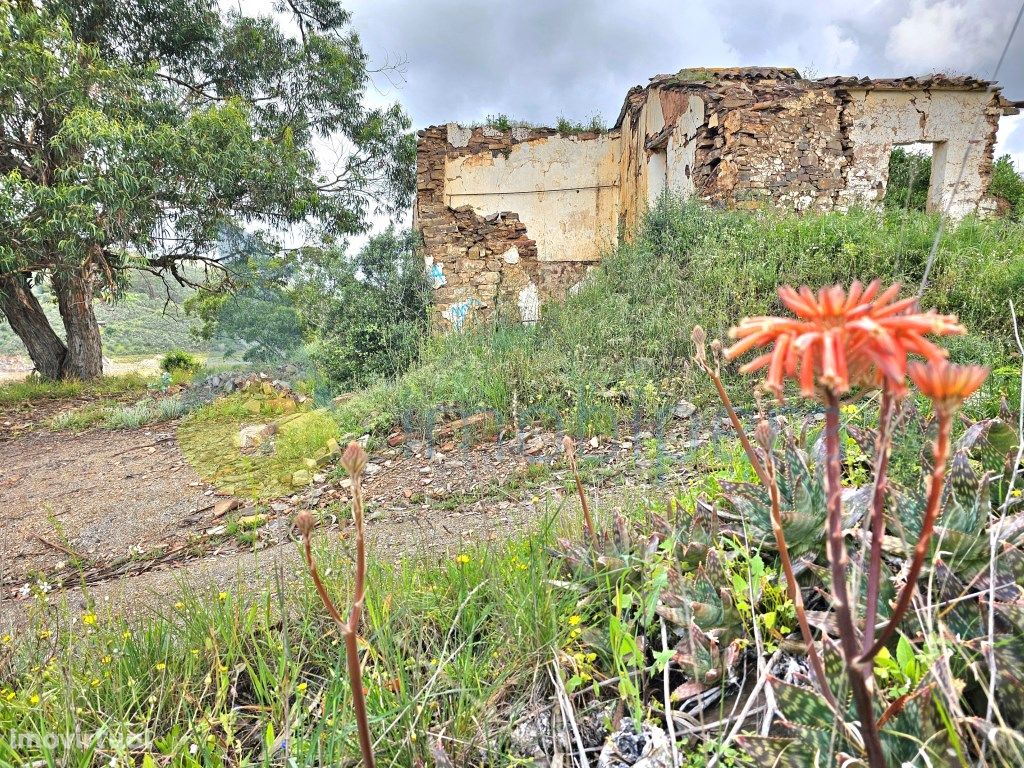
<point>512,218</point>
<point>483,264</point>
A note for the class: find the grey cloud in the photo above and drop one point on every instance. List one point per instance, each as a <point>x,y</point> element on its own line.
<point>538,59</point>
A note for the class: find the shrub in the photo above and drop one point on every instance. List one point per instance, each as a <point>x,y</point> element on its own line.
<point>366,315</point>
<point>179,361</point>
<point>909,179</point>
<point>1008,184</point>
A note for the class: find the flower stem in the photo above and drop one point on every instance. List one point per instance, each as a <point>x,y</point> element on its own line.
<point>882,450</point>
<point>794,588</point>
<point>351,650</point>
<point>838,560</point>
<point>350,627</point>
<point>940,454</point>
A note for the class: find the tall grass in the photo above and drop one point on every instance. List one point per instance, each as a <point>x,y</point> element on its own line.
<point>34,389</point>
<point>448,646</point>
<point>623,340</point>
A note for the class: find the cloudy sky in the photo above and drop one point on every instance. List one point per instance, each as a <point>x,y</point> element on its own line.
<point>541,59</point>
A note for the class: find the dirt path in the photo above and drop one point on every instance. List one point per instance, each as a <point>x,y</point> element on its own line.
<point>125,513</point>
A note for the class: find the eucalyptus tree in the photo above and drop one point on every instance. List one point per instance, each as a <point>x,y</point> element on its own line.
<point>134,132</point>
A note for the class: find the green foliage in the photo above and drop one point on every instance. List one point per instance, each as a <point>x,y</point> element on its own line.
<point>1008,183</point>
<point>178,360</point>
<point>34,389</point>
<point>217,678</point>
<point>365,315</point>
<point>111,415</point>
<point>504,123</point>
<point>355,318</point>
<point>909,179</point>
<point>978,479</point>
<point>619,348</point>
<point>570,127</point>
<point>184,119</point>
<point>251,311</point>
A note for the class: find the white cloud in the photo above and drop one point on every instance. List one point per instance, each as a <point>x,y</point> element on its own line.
<point>947,35</point>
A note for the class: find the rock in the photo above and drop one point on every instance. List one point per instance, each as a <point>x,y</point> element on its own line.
<point>224,506</point>
<point>302,477</point>
<point>253,435</point>
<point>627,749</point>
<point>684,409</point>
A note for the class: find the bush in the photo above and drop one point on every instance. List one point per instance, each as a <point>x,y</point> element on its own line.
<point>909,178</point>
<point>1008,184</point>
<point>179,361</point>
<point>366,316</point>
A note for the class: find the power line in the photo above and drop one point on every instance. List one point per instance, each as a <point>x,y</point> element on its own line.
<point>963,164</point>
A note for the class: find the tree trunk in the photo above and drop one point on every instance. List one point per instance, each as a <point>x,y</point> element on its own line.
<point>74,299</point>
<point>23,311</point>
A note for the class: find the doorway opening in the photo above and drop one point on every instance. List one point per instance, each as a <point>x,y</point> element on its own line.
<point>915,177</point>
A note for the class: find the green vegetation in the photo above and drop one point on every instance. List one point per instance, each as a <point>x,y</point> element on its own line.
<point>297,443</point>
<point>504,123</point>
<point>179,361</point>
<point>34,389</point>
<point>216,678</point>
<point>909,178</point>
<point>620,347</point>
<point>352,319</point>
<point>1008,183</point>
<point>569,127</point>
<point>115,416</point>
<point>145,318</point>
<point>170,113</point>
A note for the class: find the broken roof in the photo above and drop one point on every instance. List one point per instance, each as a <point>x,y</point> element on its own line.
<point>706,78</point>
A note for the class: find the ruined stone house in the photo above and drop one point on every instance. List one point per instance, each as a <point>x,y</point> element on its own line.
<point>511,218</point>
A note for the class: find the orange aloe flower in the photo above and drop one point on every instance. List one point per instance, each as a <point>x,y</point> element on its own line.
<point>945,384</point>
<point>838,337</point>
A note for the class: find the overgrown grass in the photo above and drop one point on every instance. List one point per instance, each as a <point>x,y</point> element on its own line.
<point>34,389</point>
<point>454,646</point>
<point>619,349</point>
<point>111,415</point>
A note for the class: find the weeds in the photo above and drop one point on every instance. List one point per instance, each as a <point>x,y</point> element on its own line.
<point>109,415</point>
<point>34,389</point>
<point>618,350</point>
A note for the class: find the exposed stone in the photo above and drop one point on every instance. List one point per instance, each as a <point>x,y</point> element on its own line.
<point>735,137</point>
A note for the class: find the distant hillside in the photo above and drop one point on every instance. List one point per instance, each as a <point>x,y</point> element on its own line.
<point>147,319</point>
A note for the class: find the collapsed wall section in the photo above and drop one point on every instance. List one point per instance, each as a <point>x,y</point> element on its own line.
<point>509,217</point>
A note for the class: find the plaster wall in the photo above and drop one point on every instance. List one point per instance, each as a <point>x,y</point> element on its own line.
<point>956,123</point>
<point>564,188</point>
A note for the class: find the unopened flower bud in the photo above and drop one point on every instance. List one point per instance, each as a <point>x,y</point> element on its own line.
<point>699,339</point>
<point>354,459</point>
<point>765,435</point>
<point>569,447</point>
<point>304,522</point>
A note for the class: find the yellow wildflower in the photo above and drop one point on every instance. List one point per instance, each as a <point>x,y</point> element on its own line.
<point>89,619</point>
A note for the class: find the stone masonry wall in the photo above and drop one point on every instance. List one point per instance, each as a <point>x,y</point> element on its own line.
<point>736,138</point>
<point>481,265</point>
